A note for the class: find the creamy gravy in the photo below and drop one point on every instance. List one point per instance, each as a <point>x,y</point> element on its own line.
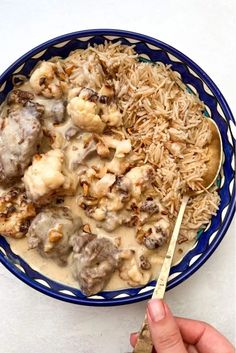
<point>63,274</point>
<point>124,237</point>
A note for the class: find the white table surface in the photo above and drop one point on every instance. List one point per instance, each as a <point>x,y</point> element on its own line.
<point>203,30</point>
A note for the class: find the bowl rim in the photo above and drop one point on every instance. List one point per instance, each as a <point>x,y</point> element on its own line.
<point>225,107</point>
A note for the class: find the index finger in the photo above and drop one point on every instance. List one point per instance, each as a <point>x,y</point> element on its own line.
<point>204,337</point>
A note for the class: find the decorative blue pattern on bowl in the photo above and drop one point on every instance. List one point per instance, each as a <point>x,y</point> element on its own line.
<point>216,107</point>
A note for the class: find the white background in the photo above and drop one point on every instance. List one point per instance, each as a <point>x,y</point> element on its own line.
<point>205,31</point>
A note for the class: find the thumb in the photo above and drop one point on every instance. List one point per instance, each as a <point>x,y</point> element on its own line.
<point>165,333</point>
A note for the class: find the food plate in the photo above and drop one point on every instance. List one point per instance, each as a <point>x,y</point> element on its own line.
<point>216,107</point>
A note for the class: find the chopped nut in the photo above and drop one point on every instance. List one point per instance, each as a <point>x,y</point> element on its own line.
<point>100,172</point>
<point>141,235</point>
<point>37,157</point>
<point>69,69</point>
<point>133,206</point>
<point>54,236</point>
<point>86,228</point>
<point>117,241</point>
<point>144,263</point>
<point>132,221</point>
<point>102,150</point>
<point>85,189</point>
<point>127,254</point>
<point>107,91</point>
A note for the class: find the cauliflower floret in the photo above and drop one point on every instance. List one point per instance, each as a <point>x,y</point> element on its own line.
<point>112,117</point>
<point>118,164</point>
<point>84,115</point>
<point>132,274</point>
<point>140,178</point>
<point>102,187</point>
<point>45,81</point>
<point>99,214</point>
<point>45,176</point>
<point>123,147</point>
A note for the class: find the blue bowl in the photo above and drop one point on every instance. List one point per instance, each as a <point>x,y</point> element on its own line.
<point>216,107</point>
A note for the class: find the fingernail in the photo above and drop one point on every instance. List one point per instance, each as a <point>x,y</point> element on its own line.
<point>156,310</point>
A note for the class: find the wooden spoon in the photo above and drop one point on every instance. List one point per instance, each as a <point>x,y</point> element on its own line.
<point>144,342</point>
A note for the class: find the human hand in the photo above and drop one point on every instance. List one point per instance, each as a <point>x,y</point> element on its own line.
<point>178,335</point>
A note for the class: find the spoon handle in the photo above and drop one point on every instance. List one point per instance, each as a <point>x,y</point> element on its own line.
<point>144,342</point>
<point>160,288</point>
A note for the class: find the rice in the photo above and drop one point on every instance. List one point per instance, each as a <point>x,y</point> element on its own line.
<point>163,120</point>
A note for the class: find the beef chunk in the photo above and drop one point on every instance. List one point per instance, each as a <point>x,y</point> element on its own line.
<point>155,240</point>
<point>154,235</point>
<point>58,112</point>
<point>20,133</point>
<point>50,233</point>
<point>71,132</point>
<point>149,206</point>
<point>94,261</point>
